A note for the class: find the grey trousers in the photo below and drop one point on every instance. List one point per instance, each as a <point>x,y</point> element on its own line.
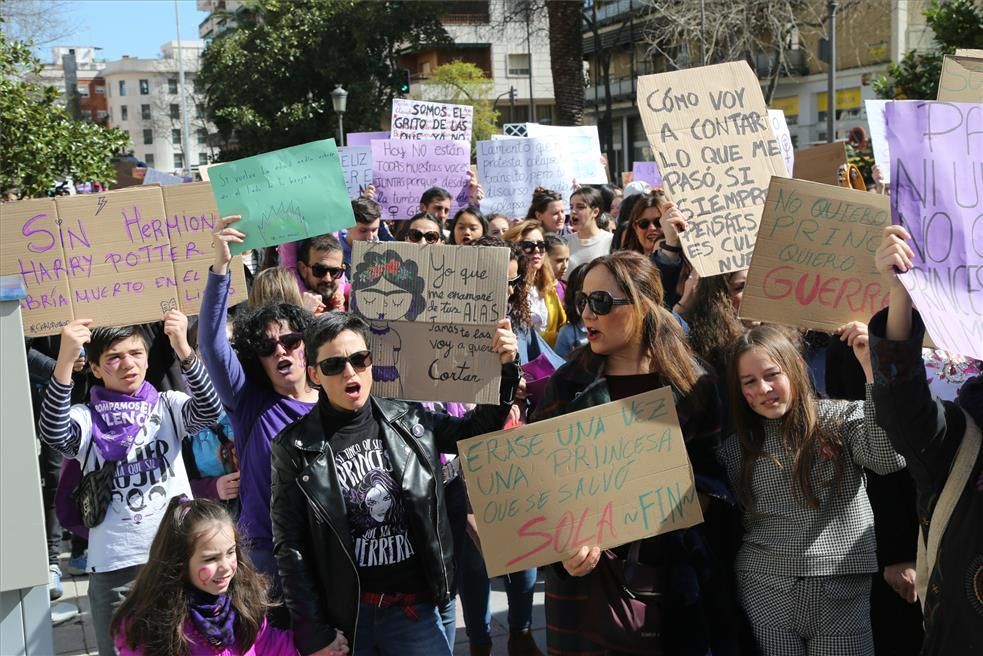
<point>106,591</point>
<point>808,616</point>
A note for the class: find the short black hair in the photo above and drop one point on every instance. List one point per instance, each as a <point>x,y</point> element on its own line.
<point>322,243</point>
<point>328,326</point>
<point>103,338</point>
<point>249,334</point>
<point>473,211</point>
<point>434,193</point>
<point>366,211</point>
<point>553,240</point>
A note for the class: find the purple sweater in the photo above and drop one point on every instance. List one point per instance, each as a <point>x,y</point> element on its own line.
<point>270,641</point>
<point>257,413</point>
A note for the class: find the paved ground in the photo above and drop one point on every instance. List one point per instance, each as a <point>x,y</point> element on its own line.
<point>76,638</point>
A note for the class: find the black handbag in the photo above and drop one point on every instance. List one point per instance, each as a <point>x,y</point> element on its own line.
<point>94,491</point>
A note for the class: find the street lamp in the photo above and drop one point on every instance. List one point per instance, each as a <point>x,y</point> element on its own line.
<point>339,100</point>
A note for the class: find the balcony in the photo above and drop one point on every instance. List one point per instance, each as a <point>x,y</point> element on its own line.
<point>622,88</point>
<point>466,12</point>
<point>608,12</point>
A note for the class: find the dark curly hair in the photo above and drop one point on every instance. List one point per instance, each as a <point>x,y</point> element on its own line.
<point>249,334</point>
<point>518,301</point>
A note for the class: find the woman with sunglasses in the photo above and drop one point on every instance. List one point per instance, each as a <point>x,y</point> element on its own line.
<point>653,230</point>
<point>423,228</point>
<point>262,384</point>
<point>544,299</point>
<point>374,578</point>
<point>635,346</point>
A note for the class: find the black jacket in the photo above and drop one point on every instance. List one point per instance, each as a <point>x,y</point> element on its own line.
<point>312,540</point>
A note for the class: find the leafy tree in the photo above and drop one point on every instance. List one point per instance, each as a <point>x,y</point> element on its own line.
<point>956,24</point>
<point>268,83</point>
<point>463,83</point>
<point>40,142</point>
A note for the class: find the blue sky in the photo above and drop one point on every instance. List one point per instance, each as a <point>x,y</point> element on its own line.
<point>127,27</point>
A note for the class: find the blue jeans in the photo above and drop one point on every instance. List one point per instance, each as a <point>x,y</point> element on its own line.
<point>390,632</point>
<point>475,590</point>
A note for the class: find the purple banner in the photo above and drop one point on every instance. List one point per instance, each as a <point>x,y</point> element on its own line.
<point>364,138</point>
<point>936,172</point>
<point>403,169</point>
<point>647,172</point>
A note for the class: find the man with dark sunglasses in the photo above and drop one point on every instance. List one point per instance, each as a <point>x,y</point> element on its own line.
<point>320,267</point>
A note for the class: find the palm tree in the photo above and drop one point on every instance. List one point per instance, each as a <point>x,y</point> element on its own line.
<point>566,34</point>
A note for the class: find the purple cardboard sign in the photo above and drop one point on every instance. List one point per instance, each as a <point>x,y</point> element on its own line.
<point>403,169</point>
<point>647,172</point>
<point>936,166</point>
<point>364,138</point>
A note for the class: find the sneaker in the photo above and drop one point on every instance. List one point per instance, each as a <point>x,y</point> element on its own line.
<point>55,590</point>
<point>63,612</point>
<point>76,564</point>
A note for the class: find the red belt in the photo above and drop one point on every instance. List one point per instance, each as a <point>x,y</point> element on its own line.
<point>400,599</point>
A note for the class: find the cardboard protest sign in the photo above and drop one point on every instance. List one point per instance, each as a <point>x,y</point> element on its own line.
<point>364,138</point>
<point>356,163</point>
<point>647,172</point>
<point>432,311</point>
<point>590,161</point>
<point>784,137</point>
<point>813,264</point>
<point>511,169</point>
<point>716,149</point>
<point>284,195</point>
<point>418,119</point>
<point>936,197</point>
<point>119,258</point>
<point>820,163</point>
<point>403,170</point>
<point>604,476</point>
<point>961,79</point>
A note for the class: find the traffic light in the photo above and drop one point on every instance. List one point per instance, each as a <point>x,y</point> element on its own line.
<point>403,80</point>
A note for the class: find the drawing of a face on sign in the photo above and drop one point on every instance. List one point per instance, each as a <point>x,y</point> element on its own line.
<point>386,287</point>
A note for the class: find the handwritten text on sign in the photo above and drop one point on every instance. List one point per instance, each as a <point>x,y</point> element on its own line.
<point>962,79</point>
<point>938,198</point>
<point>356,163</point>
<point>813,264</point>
<point>403,170</point>
<point>418,119</point>
<point>432,313</point>
<point>717,152</point>
<point>604,476</point>
<point>118,258</point>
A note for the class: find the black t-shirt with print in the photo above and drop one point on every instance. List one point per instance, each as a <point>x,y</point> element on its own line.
<point>384,552</point>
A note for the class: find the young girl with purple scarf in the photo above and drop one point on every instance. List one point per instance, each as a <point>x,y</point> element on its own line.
<point>199,593</point>
<point>135,430</point>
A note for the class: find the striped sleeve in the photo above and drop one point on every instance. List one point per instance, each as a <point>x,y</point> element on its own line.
<point>57,429</point>
<point>204,409</point>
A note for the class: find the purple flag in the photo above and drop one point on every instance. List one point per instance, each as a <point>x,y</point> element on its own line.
<point>403,169</point>
<point>937,178</point>
<point>647,172</point>
<point>364,138</point>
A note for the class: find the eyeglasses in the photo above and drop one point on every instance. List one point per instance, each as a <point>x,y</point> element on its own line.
<point>515,281</point>
<point>645,223</point>
<point>415,236</point>
<point>530,247</point>
<point>289,342</point>
<point>599,302</point>
<point>334,366</point>
<point>319,271</point>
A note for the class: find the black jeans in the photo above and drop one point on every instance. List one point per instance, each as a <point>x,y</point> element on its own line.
<point>49,462</point>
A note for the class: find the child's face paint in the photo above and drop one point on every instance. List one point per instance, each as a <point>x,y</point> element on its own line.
<point>213,563</point>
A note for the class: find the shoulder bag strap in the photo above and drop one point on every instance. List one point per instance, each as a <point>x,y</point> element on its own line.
<point>955,483</point>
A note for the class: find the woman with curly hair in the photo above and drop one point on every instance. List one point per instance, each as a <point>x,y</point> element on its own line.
<point>262,384</point>
<point>547,208</point>
<point>544,299</point>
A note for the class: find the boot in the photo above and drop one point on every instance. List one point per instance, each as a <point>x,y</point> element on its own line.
<point>521,643</point>
<point>480,650</point>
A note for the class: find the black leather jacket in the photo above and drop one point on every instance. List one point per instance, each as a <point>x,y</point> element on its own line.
<point>312,540</point>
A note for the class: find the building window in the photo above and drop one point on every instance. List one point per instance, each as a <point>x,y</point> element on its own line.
<point>171,85</point>
<point>83,90</point>
<point>175,111</point>
<point>517,65</point>
<point>544,114</point>
<point>202,159</point>
<point>144,87</point>
<point>202,135</point>
<point>122,87</point>
<point>175,136</point>
<point>145,112</point>
<point>100,89</point>
<point>148,136</point>
<point>199,110</point>
<point>101,114</point>
<point>178,161</point>
<point>148,159</point>
<point>124,115</point>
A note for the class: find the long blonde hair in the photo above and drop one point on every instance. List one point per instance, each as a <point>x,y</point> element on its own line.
<point>543,280</point>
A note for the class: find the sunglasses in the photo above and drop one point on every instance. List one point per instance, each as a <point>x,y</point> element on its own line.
<point>515,281</point>
<point>530,247</point>
<point>289,342</point>
<point>415,236</point>
<point>334,366</point>
<point>319,271</point>
<point>599,302</point>
<point>645,223</point>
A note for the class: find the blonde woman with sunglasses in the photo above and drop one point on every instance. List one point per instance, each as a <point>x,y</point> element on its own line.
<point>544,299</point>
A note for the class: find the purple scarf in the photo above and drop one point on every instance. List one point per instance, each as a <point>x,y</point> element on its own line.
<point>213,617</point>
<point>117,418</point>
